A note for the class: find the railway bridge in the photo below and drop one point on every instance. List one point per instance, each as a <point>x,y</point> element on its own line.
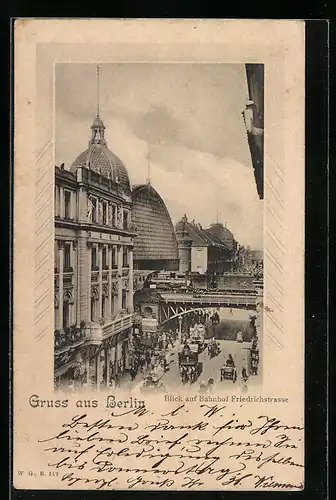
<point>174,305</point>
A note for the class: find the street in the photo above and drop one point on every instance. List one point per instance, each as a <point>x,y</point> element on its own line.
<point>171,379</point>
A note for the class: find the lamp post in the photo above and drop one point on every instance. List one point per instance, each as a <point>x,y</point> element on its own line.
<point>180,329</point>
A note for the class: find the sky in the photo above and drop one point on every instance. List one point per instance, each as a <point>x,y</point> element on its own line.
<point>188,116</point>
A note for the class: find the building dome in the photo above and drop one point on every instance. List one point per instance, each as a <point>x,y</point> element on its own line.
<point>98,158</point>
<point>223,233</point>
<point>98,122</point>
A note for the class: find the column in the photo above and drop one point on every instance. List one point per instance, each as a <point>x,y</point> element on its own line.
<point>82,206</point>
<point>74,266</point>
<point>60,283</point>
<point>87,272</point>
<point>107,365</point>
<point>112,357</point>
<point>120,262</point>
<point>109,257</point>
<point>98,370</point>
<point>87,368</point>
<point>56,260</point>
<point>78,283</point>
<point>130,279</point>
<point>61,205</point>
<point>100,278</point>
<point>116,354</point>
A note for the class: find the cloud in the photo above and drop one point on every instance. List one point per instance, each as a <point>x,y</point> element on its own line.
<point>157,125</point>
<point>196,105</point>
<point>200,162</point>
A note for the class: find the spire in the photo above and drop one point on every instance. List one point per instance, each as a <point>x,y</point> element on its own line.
<point>98,91</point>
<point>98,127</point>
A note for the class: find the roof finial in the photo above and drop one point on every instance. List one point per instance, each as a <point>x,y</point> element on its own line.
<point>98,90</point>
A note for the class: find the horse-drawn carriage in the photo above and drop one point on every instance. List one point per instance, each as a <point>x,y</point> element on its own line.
<point>190,367</point>
<point>228,371</point>
<point>160,356</point>
<point>197,334</point>
<point>254,361</point>
<point>151,383</point>
<point>213,348</point>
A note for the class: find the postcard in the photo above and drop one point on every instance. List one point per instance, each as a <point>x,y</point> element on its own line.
<point>158,336</point>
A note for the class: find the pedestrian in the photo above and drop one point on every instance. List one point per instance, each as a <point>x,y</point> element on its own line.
<point>133,373</point>
<point>112,383</point>
<point>203,387</point>
<point>169,340</point>
<point>210,384</point>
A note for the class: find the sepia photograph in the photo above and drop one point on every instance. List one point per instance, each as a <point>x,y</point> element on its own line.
<point>158,255</point>
<point>158,226</point>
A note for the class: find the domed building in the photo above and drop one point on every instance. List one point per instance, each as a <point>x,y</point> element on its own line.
<point>93,294</point>
<point>224,234</point>
<point>98,158</point>
<point>155,246</point>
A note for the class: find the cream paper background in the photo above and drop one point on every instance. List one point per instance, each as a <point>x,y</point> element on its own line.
<point>41,43</point>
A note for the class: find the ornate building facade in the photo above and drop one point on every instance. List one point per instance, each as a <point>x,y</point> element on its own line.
<point>93,267</point>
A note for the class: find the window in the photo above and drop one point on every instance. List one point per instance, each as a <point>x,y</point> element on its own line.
<point>104,258</point>
<point>67,257</point>
<point>125,220</point>
<point>94,209</point>
<point>114,214</point>
<point>114,258</point>
<point>93,309</point>
<point>104,213</point>
<point>56,201</point>
<point>123,299</point>
<point>148,312</point>
<point>94,266</point>
<point>125,257</point>
<point>67,204</point>
<point>65,315</point>
<point>105,307</point>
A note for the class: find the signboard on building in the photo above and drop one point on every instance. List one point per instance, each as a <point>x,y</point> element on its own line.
<point>149,324</point>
